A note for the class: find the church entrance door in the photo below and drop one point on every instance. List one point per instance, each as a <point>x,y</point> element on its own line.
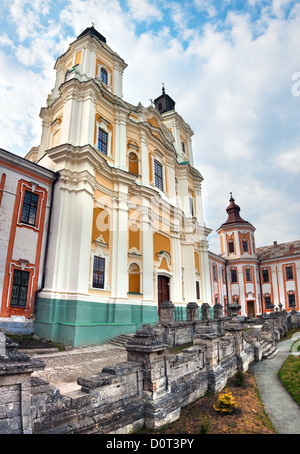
<point>163,290</point>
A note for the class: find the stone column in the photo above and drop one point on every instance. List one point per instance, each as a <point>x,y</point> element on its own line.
<point>146,348</point>
<point>166,312</point>
<point>192,312</point>
<point>15,385</point>
<point>205,311</point>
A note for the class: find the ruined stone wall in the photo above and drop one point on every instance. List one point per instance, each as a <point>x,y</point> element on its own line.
<point>149,389</point>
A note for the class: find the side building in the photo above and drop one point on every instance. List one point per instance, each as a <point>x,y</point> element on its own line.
<point>127,229</point>
<point>262,279</point>
<point>25,208</point>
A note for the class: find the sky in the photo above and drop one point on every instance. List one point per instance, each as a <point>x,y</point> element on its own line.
<point>232,67</point>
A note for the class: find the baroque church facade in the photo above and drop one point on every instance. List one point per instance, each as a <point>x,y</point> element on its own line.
<point>127,228</point>
<point>106,219</point>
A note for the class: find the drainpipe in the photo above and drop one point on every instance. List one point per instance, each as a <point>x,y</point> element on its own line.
<point>38,291</point>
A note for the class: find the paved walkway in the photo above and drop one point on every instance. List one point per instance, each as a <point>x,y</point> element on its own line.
<point>282,410</point>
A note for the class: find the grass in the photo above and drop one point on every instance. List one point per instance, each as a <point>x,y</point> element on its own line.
<point>289,375</point>
<point>31,341</point>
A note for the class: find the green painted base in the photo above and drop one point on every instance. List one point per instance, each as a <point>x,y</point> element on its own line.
<point>82,323</point>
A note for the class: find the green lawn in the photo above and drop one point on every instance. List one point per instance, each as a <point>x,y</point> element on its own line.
<point>289,375</point>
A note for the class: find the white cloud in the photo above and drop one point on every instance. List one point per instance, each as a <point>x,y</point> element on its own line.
<point>290,161</point>
<point>142,10</point>
<point>232,85</point>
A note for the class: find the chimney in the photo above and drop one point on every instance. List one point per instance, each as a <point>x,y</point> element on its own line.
<point>275,243</point>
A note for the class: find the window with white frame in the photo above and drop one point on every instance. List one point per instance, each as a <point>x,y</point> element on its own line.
<point>103,139</point>
<point>158,175</point>
<point>103,75</point>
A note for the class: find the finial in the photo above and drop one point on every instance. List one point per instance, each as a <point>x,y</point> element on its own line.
<point>163,88</point>
<point>93,24</point>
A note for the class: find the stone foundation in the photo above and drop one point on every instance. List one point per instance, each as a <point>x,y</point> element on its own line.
<point>149,389</point>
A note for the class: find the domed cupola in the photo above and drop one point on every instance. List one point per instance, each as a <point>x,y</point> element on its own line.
<point>236,234</point>
<point>233,211</point>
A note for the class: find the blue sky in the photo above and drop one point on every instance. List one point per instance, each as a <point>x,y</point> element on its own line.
<point>233,68</point>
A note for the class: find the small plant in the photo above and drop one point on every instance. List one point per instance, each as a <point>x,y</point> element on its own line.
<point>226,403</point>
<point>239,378</point>
<point>204,426</point>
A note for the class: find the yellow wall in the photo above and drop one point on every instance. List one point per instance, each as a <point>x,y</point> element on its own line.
<point>134,283</point>
<point>134,239</point>
<point>197,261</point>
<point>100,225</point>
<point>78,57</point>
<point>160,243</point>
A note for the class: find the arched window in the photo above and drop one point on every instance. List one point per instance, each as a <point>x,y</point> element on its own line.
<point>133,164</point>
<point>103,75</point>
<point>134,285</point>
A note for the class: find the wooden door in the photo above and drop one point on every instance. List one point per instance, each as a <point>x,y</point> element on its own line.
<point>163,290</point>
<point>250,309</point>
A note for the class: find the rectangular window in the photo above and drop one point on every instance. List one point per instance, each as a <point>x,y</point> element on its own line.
<point>102,140</point>
<point>268,304</point>
<point>245,246</point>
<point>158,178</point>
<point>233,275</point>
<point>231,246</point>
<point>265,275</point>
<point>19,288</point>
<point>215,272</point>
<point>223,275</point>
<point>191,206</point>
<point>198,290</point>
<point>248,275</point>
<point>98,272</point>
<point>29,209</point>
<point>289,272</point>
<point>292,302</point>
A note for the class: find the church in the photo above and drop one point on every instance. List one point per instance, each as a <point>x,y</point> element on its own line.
<point>104,219</point>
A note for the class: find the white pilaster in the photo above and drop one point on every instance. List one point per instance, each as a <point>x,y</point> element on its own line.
<point>147,253</point>
<point>204,269</point>
<point>188,263</point>
<point>177,268</point>
<point>144,159</point>
<point>119,278</point>
<point>120,142</point>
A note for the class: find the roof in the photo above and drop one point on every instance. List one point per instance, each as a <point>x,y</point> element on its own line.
<point>278,250</point>
<point>93,32</point>
<point>234,217</point>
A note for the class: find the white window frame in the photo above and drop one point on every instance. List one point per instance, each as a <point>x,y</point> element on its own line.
<point>108,85</point>
<point>102,124</point>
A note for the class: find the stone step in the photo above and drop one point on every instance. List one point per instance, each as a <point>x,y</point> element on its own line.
<point>121,340</point>
<point>269,351</point>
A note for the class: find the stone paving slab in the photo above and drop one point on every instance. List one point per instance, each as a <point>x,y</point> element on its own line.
<point>63,368</point>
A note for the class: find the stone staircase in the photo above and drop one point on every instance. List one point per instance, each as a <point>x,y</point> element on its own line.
<point>121,341</point>
<point>269,350</point>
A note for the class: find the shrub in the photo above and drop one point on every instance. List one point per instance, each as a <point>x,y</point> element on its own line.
<point>226,403</point>
<point>204,426</point>
<point>239,378</point>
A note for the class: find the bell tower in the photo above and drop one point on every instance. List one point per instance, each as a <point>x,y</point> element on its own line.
<point>238,248</point>
<point>89,71</point>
